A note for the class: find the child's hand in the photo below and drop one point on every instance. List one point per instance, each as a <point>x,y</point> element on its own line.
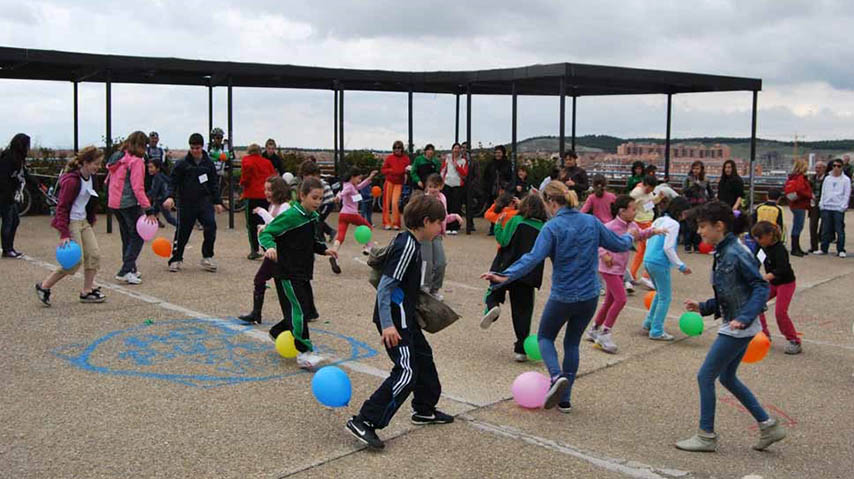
<point>256,210</point>
<point>737,324</point>
<point>686,271</point>
<point>169,203</point>
<point>769,276</point>
<point>659,231</point>
<point>691,305</point>
<point>493,277</point>
<point>421,184</point>
<point>608,260</point>
<point>391,337</point>
<point>271,255</point>
<point>373,174</point>
<point>331,252</point>
<point>64,242</point>
<point>219,209</point>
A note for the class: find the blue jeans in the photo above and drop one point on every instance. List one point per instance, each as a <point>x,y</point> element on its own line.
<point>798,217</point>
<point>832,224</point>
<point>131,241</point>
<point>576,316</point>
<point>660,276</point>
<point>722,362</point>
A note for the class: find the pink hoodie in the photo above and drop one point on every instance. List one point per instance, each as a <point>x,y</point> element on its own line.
<point>620,260</point>
<point>118,173</point>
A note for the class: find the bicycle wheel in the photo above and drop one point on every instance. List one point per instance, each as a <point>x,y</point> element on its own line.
<point>26,202</point>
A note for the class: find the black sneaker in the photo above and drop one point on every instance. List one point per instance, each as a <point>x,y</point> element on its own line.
<point>12,254</point>
<point>94,296</point>
<point>43,295</point>
<point>556,390</point>
<point>564,407</point>
<point>254,255</point>
<point>437,417</point>
<point>334,264</point>
<point>364,433</point>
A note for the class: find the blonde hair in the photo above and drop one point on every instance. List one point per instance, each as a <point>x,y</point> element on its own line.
<point>86,155</point>
<point>253,149</point>
<point>800,167</point>
<point>559,193</point>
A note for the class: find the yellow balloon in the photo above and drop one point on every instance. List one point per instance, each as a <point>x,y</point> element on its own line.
<point>285,345</point>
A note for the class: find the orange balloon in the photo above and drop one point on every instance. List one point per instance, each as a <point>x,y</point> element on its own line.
<point>162,247</point>
<point>376,191</point>
<point>222,157</point>
<point>648,299</point>
<point>705,248</point>
<point>757,349</point>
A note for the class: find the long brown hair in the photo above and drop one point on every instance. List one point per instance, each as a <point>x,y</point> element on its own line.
<point>135,143</point>
<point>86,155</point>
<point>532,207</point>
<point>702,175</point>
<point>280,189</point>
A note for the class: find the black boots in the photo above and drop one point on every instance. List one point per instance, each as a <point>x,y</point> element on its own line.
<point>257,306</point>
<point>796,246</point>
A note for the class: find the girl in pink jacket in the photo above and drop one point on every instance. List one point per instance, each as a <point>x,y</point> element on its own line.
<point>612,266</point>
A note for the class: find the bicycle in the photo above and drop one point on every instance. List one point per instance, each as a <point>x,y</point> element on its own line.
<point>33,189</point>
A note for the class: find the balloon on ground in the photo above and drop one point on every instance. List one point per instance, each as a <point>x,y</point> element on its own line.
<point>285,345</point>
<point>331,387</point>
<point>529,389</point>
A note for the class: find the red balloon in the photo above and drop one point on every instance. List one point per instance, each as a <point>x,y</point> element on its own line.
<point>706,248</point>
<point>376,191</point>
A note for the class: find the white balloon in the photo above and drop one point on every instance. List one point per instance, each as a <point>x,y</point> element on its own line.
<point>289,177</point>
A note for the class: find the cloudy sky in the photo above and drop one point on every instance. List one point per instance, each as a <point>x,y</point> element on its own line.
<point>802,50</point>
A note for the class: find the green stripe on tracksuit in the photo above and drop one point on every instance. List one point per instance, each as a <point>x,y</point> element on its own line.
<point>297,316</point>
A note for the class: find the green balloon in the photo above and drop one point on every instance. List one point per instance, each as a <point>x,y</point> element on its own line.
<point>362,234</point>
<point>691,323</point>
<point>532,348</point>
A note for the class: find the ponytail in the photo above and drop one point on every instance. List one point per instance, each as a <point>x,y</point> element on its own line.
<point>715,211</point>
<point>86,155</point>
<point>559,193</point>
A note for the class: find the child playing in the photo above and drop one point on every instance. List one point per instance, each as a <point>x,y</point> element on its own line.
<point>770,211</point>
<point>433,251</point>
<point>522,187</point>
<point>309,169</point>
<point>660,256</point>
<point>159,190</point>
<point>349,197</point>
<point>779,273</point>
<point>740,295</point>
<point>74,218</point>
<point>502,209</point>
<point>601,201</point>
<point>394,317</point>
<point>517,238</point>
<point>612,268</point>
<point>277,193</point>
<point>645,202</point>
<point>290,242</point>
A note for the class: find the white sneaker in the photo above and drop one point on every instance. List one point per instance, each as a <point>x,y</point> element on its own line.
<point>591,335</point>
<point>842,254</point>
<point>175,267</point>
<point>604,342</point>
<point>819,252</point>
<point>309,360</point>
<point>490,317</point>
<point>453,232</point>
<point>208,264</point>
<point>520,357</point>
<point>437,295</point>
<point>646,282</point>
<point>129,278</point>
<point>630,288</point>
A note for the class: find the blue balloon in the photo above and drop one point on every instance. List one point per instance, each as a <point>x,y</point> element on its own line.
<point>69,255</point>
<point>331,387</point>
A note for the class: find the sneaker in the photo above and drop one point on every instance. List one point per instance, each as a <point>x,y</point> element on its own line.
<point>793,348</point>
<point>94,296</point>
<point>490,317</point>
<point>646,282</point>
<point>604,342</point>
<point>662,337</point>
<point>592,334</point>
<point>769,432</point>
<point>366,251</point>
<point>841,254</point>
<point>208,264</point>
<point>453,232</point>
<point>334,264</point>
<point>558,387</point>
<point>386,227</point>
<point>43,295</point>
<point>309,360</point>
<point>520,357</point>
<point>12,254</point>
<point>254,255</point>
<point>630,288</point>
<point>700,442</point>
<point>364,433</point>
<point>175,267</point>
<point>436,294</point>
<point>396,228</point>
<point>438,417</point>
<point>819,252</point>
<point>601,291</point>
<point>129,278</point>
<point>564,407</point>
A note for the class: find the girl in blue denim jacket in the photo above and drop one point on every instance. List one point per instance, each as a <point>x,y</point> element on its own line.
<point>740,295</point>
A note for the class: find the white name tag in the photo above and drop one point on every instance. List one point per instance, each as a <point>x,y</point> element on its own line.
<point>761,256</point>
<point>649,206</point>
<point>357,197</point>
<point>203,178</point>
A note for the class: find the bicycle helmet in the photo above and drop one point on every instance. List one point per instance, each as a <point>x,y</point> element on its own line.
<point>217,132</point>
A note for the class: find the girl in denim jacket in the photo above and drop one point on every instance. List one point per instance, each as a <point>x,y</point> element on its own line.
<point>739,297</point>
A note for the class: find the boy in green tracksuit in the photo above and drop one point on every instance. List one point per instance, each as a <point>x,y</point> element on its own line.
<point>290,241</point>
<point>424,166</point>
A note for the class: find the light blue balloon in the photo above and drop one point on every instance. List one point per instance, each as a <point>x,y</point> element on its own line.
<point>331,387</point>
<point>69,255</point>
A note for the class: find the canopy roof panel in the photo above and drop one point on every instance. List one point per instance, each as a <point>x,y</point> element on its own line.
<point>582,80</point>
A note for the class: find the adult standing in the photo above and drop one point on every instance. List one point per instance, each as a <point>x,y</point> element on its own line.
<point>799,193</point>
<point>394,170</point>
<point>815,212</point>
<point>697,190</point>
<point>473,178</point>
<point>454,171</point>
<point>847,167</point>
<point>424,165</point>
<point>254,171</point>
<point>13,179</point>
<point>576,176</point>
<point>271,155</point>
<point>154,152</point>
<point>731,186</point>
<point>498,174</point>
<point>835,194</point>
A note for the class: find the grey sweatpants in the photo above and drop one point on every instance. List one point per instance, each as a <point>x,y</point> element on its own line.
<point>433,264</point>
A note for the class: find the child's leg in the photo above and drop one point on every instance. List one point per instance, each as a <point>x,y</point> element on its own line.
<point>637,260</point>
<point>91,254</point>
<point>772,293</point>
<point>494,296</point>
<point>207,217</point>
<point>294,298</point>
<point>661,304</point>
<point>427,262</point>
<point>426,387</point>
<point>606,303</point>
<point>378,410</point>
<point>729,380</point>
<point>343,224</point>
<point>781,311</point>
<point>721,353</point>
<point>580,314</point>
<point>522,308</point>
<point>617,293</point>
<point>439,264</point>
<point>264,274</point>
<point>186,220</point>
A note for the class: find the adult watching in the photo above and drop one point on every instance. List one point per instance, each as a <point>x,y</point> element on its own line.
<point>454,171</point>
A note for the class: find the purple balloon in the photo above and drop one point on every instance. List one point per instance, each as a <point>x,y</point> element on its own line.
<point>145,229</point>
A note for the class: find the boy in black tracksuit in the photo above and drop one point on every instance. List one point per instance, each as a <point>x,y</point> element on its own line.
<point>394,316</point>
<point>195,185</point>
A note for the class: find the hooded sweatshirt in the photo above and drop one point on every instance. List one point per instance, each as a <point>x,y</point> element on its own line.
<point>394,168</point>
<point>127,183</point>
<point>12,169</point>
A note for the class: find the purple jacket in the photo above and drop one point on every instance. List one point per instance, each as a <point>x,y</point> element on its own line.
<point>69,188</point>
<point>620,260</point>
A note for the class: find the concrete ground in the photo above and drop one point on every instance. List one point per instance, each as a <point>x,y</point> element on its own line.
<point>160,381</point>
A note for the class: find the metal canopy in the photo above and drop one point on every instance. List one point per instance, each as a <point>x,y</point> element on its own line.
<point>581,80</point>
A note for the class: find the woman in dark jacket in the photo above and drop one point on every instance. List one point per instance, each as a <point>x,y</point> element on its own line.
<point>731,186</point>
<point>13,175</point>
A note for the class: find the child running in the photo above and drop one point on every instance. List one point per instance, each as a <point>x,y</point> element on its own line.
<point>660,256</point>
<point>778,272</point>
<point>277,193</point>
<point>74,218</point>
<point>570,238</point>
<point>516,239</point>
<point>350,197</point>
<point>645,202</point>
<point>600,203</point>
<point>612,267</point>
<point>394,316</point>
<point>739,296</point>
<point>433,251</point>
<point>290,242</point>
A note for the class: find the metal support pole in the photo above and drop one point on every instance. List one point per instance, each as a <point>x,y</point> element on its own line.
<point>411,145</point>
<point>457,124</point>
<point>109,140</point>
<point>562,135</point>
<point>573,123</point>
<point>340,127</point>
<point>210,106</point>
<point>76,130</point>
<point>335,127</point>
<point>753,147</point>
<point>470,189</point>
<point>513,155</point>
<point>229,165</point>
<point>667,140</point>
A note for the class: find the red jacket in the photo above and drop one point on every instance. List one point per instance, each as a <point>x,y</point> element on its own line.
<point>462,171</point>
<point>394,168</point>
<point>800,186</point>
<point>254,171</point>
<point>69,188</point>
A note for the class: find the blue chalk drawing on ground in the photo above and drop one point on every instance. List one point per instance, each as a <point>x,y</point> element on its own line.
<point>218,347</point>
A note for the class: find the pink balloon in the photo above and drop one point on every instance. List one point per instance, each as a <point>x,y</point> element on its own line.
<point>529,389</point>
<point>145,229</point>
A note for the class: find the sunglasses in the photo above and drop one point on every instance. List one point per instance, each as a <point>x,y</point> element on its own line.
<point>837,165</point>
